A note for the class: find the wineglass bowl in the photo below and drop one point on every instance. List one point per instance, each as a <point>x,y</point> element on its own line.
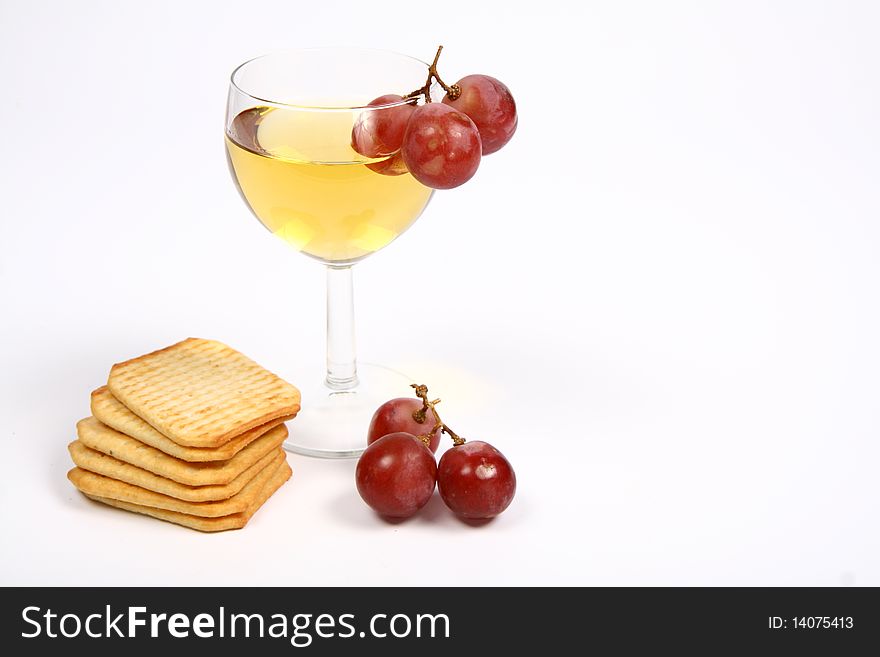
<point>289,122</point>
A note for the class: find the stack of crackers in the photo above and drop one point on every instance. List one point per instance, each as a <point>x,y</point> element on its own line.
<point>191,434</point>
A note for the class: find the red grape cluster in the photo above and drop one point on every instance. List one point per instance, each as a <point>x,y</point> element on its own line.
<point>440,144</point>
<point>397,472</point>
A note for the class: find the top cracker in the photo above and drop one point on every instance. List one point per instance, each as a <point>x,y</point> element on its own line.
<point>201,393</point>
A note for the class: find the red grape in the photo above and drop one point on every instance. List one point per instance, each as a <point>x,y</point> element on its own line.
<point>441,147</point>
<point>396,475</point>
<point>379,132</point>
<point>490,105</point>
<point>397,415</point>
<point>475,480</point>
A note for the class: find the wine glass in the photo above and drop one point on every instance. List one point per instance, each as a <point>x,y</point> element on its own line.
<point>289,121</point>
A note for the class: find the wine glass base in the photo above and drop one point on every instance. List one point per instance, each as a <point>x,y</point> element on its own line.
<point>333,423</point>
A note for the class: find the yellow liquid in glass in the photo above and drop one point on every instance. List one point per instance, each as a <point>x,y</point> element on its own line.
<point>297,171</point>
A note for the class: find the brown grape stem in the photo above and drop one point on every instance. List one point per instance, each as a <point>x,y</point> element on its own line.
<point>453,91</point>
<point>422,393</point>
<point>421,414</point>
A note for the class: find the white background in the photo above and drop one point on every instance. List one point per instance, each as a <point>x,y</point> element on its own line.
<point>660,300</point>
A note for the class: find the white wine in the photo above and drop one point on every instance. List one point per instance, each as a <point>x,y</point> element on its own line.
<point>297,171</point>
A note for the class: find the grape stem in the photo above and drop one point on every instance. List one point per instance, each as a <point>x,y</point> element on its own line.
<point>421,414</point>
<point>453,91</point>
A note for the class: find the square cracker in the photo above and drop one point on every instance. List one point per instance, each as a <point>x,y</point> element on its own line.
<point>103,464</point>
<point>97,485</point>
<point>109,410</point>
<point>201,393</point>
<point>129,450</point>
<point>223,523</point>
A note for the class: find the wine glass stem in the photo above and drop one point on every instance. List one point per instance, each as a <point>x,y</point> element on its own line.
<point>341,354</point>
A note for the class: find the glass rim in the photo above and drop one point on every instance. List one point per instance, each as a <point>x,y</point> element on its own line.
<point>325,108</point>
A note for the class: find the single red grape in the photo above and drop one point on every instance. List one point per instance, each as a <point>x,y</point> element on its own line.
<point>441,147</point>
<point>475,480</point>
<point>396,475</point>
<point>397,415</point>
<point>490,105</point>
<point>379,132</point>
